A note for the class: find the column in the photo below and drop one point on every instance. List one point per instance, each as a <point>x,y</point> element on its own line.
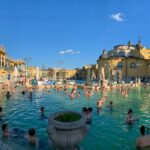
<point>1,60</point>
<point>4,60</point>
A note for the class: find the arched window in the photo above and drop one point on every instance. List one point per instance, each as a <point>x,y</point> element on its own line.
<point>119,65</point>
<point>133,65</point>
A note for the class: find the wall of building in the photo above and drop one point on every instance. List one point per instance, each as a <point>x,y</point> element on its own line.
<point>134,66</point>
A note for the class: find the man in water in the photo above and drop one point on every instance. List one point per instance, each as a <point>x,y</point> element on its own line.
<point>144,140</point>
<point>89,115</point>
<point>42,112</point>
<point>32,138</point>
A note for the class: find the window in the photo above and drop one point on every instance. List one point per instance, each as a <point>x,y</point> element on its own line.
<point>133,65</point>
<point>122,54</point>
<point>119,65</point>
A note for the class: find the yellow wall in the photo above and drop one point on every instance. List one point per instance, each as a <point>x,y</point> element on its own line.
<point>142,68</point>
<point>145,53</point>
<point>70,73</point>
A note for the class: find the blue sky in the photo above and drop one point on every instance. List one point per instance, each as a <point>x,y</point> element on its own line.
<point>72,31</point>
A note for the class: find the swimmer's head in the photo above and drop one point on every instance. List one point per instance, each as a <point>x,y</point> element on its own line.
<point>111,102</point>
<point>142,130</point>
<point>1,109</point>
<point>90,109</point>
<point>42,109</point>
<point>84,109</point>
<point>130,111</point>
<point>4,127</point>
<point>31,132</point>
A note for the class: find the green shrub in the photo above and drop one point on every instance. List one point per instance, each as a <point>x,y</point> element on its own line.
<point>68,117</point>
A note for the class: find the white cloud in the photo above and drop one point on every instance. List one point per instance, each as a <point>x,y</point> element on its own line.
<point>117,17</point>
<point>69,51</point>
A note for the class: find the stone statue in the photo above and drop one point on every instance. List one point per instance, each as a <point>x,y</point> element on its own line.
<point>102,73</point>
<point>102,77</point>
<point>108,71</point>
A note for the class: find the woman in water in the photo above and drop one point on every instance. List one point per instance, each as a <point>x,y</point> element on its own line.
<point>72,95</point>
<point>130,118</point>
<point>78,95</point>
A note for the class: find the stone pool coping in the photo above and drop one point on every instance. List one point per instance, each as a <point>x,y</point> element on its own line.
<point>10,146</point>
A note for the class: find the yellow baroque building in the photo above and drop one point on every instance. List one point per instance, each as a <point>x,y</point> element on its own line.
<point>125,63</point>
<point>57,73</point>
<point>8,64</point>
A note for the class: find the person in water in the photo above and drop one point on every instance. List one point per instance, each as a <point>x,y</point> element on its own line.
<point>144,140</point>
<point>23,92</point>
<point>99,104</point>
<point>65,90</point>
<point>42,109</point>
<point>30,95</point>
<point>8,95</point>
<point>72,95</point>
<point>89,115</point>
<point>1,113</point>
<point>78,95</point>
<point>87,112</point>
<point>110,105</point>
<point>130,118</point>
<point>32,138</point>
<point>84,109</point>
<point>5,130</point>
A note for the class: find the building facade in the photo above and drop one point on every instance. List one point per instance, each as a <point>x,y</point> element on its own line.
<point>57,73</point>
<point>7,64</point>
<point>125,63</point>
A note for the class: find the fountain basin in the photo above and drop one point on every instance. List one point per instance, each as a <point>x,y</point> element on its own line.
<point>67,129</point>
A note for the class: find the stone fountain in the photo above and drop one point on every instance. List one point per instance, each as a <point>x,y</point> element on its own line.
<point>66,135</point>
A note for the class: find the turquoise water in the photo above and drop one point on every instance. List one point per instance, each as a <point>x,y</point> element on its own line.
<point>108,129</point>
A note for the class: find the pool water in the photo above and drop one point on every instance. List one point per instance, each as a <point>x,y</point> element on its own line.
<point>108,129</point>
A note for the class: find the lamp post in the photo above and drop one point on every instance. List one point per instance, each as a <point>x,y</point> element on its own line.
<point>60,63</point>
<point>126,69</point>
